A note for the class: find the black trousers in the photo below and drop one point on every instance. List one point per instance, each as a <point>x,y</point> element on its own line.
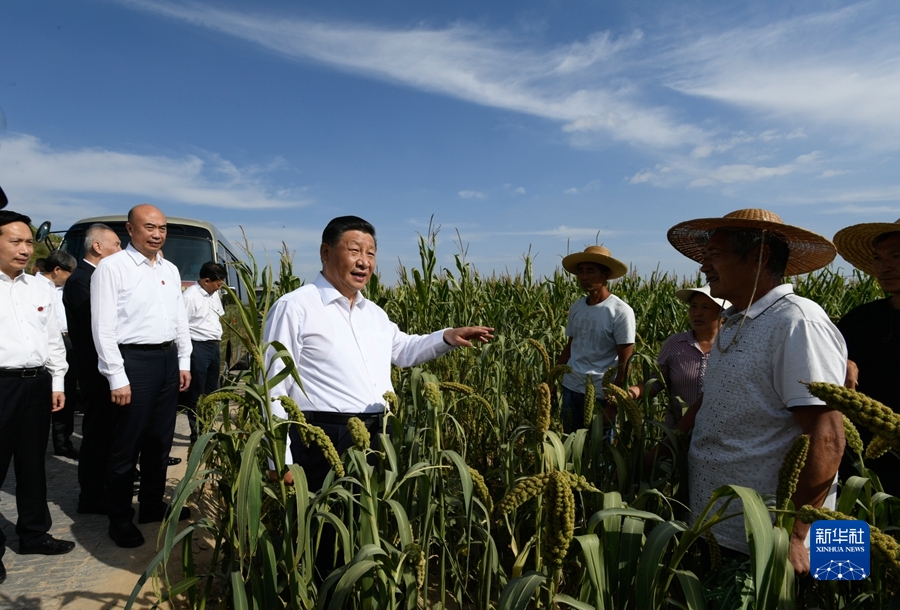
<point>24,425</point>
<point>206,362</point>
<point>97,429</point>
<point>316,467</point>
<point>144,428</point>
<point>311,458</point>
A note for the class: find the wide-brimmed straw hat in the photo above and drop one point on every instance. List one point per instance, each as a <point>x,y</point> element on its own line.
<point>857,243</point>
<point>808,251</point>
<point>686,294</point>
<point>599,255</point>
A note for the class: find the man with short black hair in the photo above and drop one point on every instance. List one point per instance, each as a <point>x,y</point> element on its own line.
<point>754,405</point>
<point>144,349</point>
<point>32,373</point>
<point>204,308</point>
<point>97,424</point>
<point>58,268</point>
<point>343,345</point>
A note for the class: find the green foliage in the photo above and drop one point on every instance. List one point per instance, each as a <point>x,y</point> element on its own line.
<point>582,520</point>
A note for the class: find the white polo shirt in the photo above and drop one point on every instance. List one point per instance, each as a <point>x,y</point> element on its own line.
<point>745,426</point>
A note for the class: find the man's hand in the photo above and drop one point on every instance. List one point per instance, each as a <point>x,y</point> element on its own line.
<point>463,337</point>
<point>852,379</point>
<point>799,555</point>
<point>184,381</point>
<point>57,401</point>
<point>288,477</point>
<point>121,396</point>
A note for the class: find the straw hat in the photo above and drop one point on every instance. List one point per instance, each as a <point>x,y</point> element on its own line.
<point>686,294</point>
<point>599,255</point>
<point>808,251</point>
<point>857,243</point>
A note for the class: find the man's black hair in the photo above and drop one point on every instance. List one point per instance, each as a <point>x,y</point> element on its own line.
<point>340,225</point>
<point>8,217</point>
<point>744,241</point>
<point>61,259</point>
<point>885,237</point>
<point>211,270</point>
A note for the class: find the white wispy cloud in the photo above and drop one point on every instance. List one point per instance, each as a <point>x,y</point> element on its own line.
<point>566,232</point>
<point>831,173</point>
<point>472,195</point>
<point>578,84</point>
<point>519,191</point>
<point>593,185</point>
<point>51,180</point>
<point>742,172</point>
<point>819,68</point>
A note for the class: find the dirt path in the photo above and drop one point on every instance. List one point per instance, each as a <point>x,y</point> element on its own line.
<point>96,575</point>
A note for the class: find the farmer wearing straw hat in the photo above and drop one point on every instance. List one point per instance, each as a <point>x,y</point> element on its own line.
<point>753,404</point>
<point>600,330</point>
<point>872,331</point>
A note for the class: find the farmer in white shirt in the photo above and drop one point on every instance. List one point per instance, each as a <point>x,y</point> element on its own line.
<point>343,345</point>
<point>144,350</point>
<point>32,369</point>
<point>58,266</point>
<point>601,329</point>
<point>204,308</point>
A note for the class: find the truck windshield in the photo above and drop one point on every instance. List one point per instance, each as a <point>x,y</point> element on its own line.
<point>186,247</point>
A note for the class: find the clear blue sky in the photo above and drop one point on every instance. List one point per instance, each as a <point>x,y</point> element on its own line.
<point>521,124</point>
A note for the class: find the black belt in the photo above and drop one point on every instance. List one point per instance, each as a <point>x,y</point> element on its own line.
<point>337,419</point>
<point>205,340</point>
<point>148,346</point>
<point>30,372</point>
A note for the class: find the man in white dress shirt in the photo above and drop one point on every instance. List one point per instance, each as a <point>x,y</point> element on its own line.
<point>58,266</point>
<point>32,372</point>
<point>343,345</point>
<point>204,308</point>
<point>144,349</point>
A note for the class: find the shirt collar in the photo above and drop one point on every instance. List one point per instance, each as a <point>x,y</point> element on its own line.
<point>763,303</point>
<point>41,276</point>
<point>19,278</point>
<point>139,258</point>
<point>330,294</point>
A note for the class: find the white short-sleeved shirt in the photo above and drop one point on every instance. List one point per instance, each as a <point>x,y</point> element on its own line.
<point>203,313</point>
<point>745,426</point>
<point>596,330</point>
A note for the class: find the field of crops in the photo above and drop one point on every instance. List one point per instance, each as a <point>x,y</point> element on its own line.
<point>478,499</point>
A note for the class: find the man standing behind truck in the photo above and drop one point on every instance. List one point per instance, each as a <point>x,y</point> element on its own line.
<point>204,308</point>
<point>97,425</point>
